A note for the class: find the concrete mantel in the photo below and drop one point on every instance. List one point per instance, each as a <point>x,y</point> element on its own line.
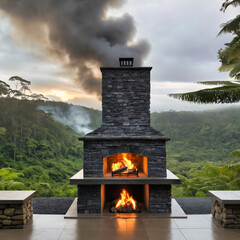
<point>79,179</point>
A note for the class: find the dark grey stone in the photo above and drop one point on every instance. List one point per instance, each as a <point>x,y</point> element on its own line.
<point>51,205</point>
<point>89,199</point>
<point>159,198</point>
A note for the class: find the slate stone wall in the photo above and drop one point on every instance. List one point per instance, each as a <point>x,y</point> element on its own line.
<point>159,198</point>
<point>89,199</point>
<point>126,96</point>
<point>95,151</point>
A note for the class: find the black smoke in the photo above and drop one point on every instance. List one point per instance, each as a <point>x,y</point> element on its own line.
<point>77,33</point>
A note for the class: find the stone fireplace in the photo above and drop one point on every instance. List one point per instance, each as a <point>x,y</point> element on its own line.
<point>125,152</point>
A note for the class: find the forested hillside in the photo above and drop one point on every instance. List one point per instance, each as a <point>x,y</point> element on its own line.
<point>199,138</point>
<point>39,152</point>
<point>199,150</point>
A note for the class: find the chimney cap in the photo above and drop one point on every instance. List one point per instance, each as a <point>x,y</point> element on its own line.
<point>126,62</point>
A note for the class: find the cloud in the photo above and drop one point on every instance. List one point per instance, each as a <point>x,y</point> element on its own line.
<point>183,36</point>
<point>76,33</point>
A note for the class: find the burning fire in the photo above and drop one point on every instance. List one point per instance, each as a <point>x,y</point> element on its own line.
<point>126,200</point>
<point>124,163</point>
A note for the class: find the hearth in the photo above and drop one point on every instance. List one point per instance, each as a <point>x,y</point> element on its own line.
<point>125,156</point>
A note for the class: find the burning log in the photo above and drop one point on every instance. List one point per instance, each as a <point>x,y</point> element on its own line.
<point>124,164</point>
<point>125,204</point>
<point>120,170</point>
<point>133,171</point>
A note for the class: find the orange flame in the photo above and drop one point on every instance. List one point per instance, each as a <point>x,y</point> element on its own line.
<point>126,200</point>
<point>124,163</point>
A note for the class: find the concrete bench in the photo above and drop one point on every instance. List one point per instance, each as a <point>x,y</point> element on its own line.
<point>226,208</point>
<point>15,208</point>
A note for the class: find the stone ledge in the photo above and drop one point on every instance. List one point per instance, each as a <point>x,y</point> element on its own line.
<point>15,197</point>
<point>125,68</point>
<point>79,179</point>
<point>226,197</point>
<point>109,137</point>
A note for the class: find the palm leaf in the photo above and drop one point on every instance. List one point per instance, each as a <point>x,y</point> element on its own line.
<point>225,5</point>
<point>226,67</point>
<point>235,70</point>
<point>224,83</point>
<point>230,26</point>
<point>225,94</point>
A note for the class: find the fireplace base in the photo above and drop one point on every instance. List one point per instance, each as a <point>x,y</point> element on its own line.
<point>93,193</point>
<point>91,199</point>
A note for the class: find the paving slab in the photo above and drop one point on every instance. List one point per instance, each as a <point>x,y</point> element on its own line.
<point>55,227</point>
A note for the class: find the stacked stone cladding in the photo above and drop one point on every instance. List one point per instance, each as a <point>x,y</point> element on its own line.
<point>15,215</point>
<point>89,199</point>
<point>227,215</point>
<point>159,198</point>
<point>126,96</point>
<point>95,151</point>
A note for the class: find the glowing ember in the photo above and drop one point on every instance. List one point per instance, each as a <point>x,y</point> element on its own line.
<point>124,163</point>
<point>126,200</point>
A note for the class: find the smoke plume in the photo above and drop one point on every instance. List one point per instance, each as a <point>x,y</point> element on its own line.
<point>78,34</point>
<point>73,116</point>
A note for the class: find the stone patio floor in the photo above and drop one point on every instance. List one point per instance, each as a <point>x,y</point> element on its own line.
<point>53,227</point>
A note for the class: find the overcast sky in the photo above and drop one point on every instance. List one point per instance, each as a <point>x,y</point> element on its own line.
<point>181,33</point>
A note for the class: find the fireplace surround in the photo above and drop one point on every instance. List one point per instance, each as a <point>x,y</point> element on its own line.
<point>125,133</point>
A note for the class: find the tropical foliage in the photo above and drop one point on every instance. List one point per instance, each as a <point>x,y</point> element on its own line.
<point>209,178</point>
<point>36,150</point>
<point>228,92</point>
<point>199,149</point>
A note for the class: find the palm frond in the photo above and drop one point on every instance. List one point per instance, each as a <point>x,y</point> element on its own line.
<point>230,26</point>
<point>237,76</point>
<point>227,3</point>
<point>235,70</point>
<point>223,83</point>
<point>234,52</point>
<point>226,67</point>
<point>225,94</point>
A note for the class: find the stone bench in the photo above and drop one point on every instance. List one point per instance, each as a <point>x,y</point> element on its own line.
<point>226,208</point>
<point>15,208</point>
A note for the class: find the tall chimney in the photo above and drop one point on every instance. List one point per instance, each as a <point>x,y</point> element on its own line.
<point>126,95</point>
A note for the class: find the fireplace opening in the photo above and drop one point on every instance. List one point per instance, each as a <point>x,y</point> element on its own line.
<point>125,165</point>
<point>125,198</point>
